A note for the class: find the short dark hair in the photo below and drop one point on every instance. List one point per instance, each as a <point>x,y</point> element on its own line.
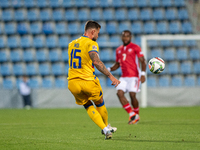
<point>127,31</point>
<point>92,25</point>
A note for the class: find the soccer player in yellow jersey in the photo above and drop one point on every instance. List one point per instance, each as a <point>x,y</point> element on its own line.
<point>82,82</point>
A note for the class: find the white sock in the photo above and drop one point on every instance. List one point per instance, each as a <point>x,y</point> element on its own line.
<point>132,113</point>
<point>105,130</point>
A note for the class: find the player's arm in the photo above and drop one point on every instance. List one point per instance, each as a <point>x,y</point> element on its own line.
<point>114,67</point>
<point>143,65</point>
<point>102,68</point>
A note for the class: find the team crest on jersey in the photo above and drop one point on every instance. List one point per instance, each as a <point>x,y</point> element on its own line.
<point>129,50</point>
<point>119,52</point>
<point>94,47</point>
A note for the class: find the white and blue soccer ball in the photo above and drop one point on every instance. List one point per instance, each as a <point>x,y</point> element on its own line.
<point>156,65</point>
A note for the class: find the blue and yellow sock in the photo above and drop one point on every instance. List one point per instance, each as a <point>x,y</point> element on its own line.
<point>101,108</point>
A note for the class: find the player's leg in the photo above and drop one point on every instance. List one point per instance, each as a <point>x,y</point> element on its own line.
<point>134,102</point>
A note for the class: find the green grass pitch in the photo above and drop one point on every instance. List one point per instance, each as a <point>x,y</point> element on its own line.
<point>174,128</point>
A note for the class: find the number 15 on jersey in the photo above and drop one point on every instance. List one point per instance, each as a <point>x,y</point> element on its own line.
<point>75,58</point>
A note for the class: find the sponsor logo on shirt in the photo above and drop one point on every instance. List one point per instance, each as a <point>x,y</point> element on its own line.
<point>129,50</point>
<point>94,47</point>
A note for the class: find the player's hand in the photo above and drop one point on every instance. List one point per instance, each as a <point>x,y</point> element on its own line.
<point>115,81</point>
<point>142,79</point>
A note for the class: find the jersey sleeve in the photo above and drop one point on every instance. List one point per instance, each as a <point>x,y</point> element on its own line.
<point>138,51</point>
<point>93,47</point>
<point>117,55</point>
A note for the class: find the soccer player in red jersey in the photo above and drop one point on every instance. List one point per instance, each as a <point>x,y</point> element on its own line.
<point>128,57</point>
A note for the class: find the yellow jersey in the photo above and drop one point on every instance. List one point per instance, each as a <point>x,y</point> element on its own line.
<point>80,63</point>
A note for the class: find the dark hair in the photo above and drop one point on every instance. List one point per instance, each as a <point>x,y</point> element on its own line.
<point>127,31</point>
<point>92,25</point>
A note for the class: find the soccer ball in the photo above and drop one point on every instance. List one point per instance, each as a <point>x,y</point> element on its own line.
<point>156,65</point>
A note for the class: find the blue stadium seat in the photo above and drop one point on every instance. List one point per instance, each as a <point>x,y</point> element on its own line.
<point>149,27</point>
<point>187,27</point>
<point>186,67</point>
<point>70,14</point>
<point>58,15</point>
<point>154,3</point>
<point>183,14</point>
<point>165,43</point>
<point>29,55</point>
<point>112,27</point>
<point>35,28</point>
<point>42,4</point>
<point>171,14</point>
<point>109,14</point>
<point>195,54</point>
<point>33,14</point>
<point>167,3</point>
<point>42,55</point>
<point>32,69</point>
<point>64,41</point>
<point>197,67</point>
<point>177,81</point>
<point>2,41</point>
<point>57,69</point>
<point>74,37</point>
<point>182,54</point>
<point>44,69</point>
<point>175,27</point>
<point>65,56</point>
<point>115,40</point>
<point>103,27</point>
<point>146,14</point>
<point>61,28</point>
<point>68,3</point>
<point>45,15</point>
<point>157,52</point>
<point>7,15</point>
<point>169,54</point>
<point>5,3</point>
<point>162,27</point>
<point>52,41</point>
<point>190,81</point>
<point>10,28</point>
<point>159,14</point>
<point>82,27</point>
<point>102,40</point>
<point>138,40</point>
<point>61,82</point>
<point>152,81</point>
<point>137,28</point>
<point>66,68</point>
<point>26,41</point>
<point>178,43</point>
<point>20,15</point>
<point>39,41</point>
<point>143,3</point>
<point>48,82</point>
<point>13,41</point>
<point>80,3</point>
<point>55,55</point>
<point>105,3</point>
<point>83,14</point>
<point>1,27</point>
<point>16,55</point>
<point>130,3</point>
<point>174,68</point>
<point>55,3</point>
<point>133,14</point>
<point>29,3</point>
<point>35,82</point>
<point>48,27</point>
<point>4,55</point>
<point>153,43</point>
<point>92,3</point>
<point>23,28</point>
<point>121,14</point>
<point>19,69</point>
<point>102,80</point>
<point>164,81</point>
<point>8,83</point>
<point>106,54</point>
<point>125,25</point>
<point>190,43</point>
<point>96,14</point>
<point>179,3</point>
<point>118,3</point>
<point>198,81</point>
<point>6,69</point>
<point>73,28</point>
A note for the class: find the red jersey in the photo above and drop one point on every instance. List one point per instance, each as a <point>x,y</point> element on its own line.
<point>128,56</point>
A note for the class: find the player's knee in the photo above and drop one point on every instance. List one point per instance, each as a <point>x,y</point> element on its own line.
<point>120,94</point>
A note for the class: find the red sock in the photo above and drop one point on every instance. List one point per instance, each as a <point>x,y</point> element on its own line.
<point>136,110</point>
<point>128,108</point>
